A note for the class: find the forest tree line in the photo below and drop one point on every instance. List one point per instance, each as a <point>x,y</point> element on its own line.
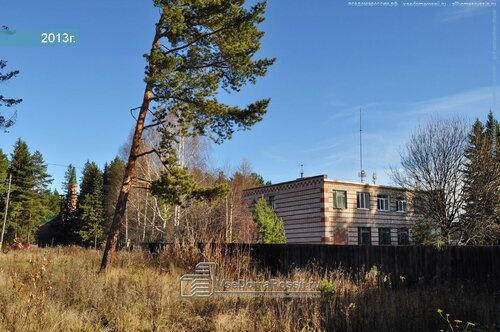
<point>148,219</point>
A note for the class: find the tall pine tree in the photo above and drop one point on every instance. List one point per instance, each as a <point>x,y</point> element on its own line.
<point>5,102</point>
<point>198,48</point>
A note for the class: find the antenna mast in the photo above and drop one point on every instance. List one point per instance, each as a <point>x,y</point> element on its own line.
<point>301,171</point>
<point>494,139</point>
<point>362,173</point>
<point>494,83</point>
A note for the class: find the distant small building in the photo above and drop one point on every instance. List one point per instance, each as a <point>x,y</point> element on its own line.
<point>318,210</point>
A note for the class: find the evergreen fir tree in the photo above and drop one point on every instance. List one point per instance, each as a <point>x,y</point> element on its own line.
<point>492,126</point>
<point>91,178</point>
<point>52,200</point>
<point>481,219</point>
<point>70,188</point>
<point>21,185</point>
<point>271,227</point>
<point>113,177</point>
<point>39,173</point>
<point>4,175</point>
<point>29,182</point>
<point>90,207</point>
<point>4,172</point>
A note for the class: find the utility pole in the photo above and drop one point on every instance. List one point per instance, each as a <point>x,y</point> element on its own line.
<point>6,211</point>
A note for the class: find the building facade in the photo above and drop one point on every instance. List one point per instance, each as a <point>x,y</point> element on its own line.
<point>318,210</point>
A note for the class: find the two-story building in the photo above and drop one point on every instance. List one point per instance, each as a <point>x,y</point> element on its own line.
<point>318,210</point>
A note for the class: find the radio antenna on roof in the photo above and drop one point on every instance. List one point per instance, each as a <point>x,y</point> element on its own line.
<point>362,172</point>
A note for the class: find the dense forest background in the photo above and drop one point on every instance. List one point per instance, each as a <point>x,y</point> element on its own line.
<point>148,218</point>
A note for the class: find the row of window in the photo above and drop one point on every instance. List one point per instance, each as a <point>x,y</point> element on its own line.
<point>363,201</point>
<point>384,236</point>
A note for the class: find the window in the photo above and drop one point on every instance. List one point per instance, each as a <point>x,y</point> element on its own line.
<point>401,204</point>
<point>383,202</point>
<point>339,199</point>
<point>272,202</point>
<point>364,235</point>
<point>364,201</point>
<point>384,236</point>
<point>403,236</point>
<point>418,205</point>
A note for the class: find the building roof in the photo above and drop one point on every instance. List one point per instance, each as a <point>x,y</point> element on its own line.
<point>287,182</point>
<point>325,178</point>
<point>48,220</point>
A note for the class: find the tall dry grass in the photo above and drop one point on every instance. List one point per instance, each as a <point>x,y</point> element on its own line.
<point>59,289</point>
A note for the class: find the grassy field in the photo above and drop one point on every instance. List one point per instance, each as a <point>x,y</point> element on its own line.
<point>59,289</point>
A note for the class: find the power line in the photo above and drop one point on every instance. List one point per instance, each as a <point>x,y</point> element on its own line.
<point>16,181</point>
<point>60,165</point>
<point>23,180</point>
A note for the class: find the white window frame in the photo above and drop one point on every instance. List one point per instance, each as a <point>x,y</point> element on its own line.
<point>402,205</point>
<point>363,200</point>
<point>335,199</point>
<point>385,200</point>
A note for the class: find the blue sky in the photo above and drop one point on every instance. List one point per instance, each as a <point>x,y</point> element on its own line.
<point>401,65</point>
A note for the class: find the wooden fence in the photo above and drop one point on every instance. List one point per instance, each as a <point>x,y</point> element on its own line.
<point>479,266</point>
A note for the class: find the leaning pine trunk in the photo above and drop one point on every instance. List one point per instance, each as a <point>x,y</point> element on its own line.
<point>121,204</point>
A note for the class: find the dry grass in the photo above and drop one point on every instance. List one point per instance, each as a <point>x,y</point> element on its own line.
<point>59,289</point>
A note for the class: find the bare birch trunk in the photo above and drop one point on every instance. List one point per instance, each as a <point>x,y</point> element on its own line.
<point>138,217</point>
<point>145,216</point>
<point>152,235</point>
<point>230,219</point>
<point>227,220</point>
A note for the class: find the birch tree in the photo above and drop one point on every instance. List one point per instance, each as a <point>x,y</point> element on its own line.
<point>432,164</point>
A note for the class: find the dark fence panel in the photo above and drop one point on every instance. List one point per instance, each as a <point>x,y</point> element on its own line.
<point>455,264</point>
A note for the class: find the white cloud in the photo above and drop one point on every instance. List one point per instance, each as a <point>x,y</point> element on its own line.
<point>461,103</point>
<point>453,14</point>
